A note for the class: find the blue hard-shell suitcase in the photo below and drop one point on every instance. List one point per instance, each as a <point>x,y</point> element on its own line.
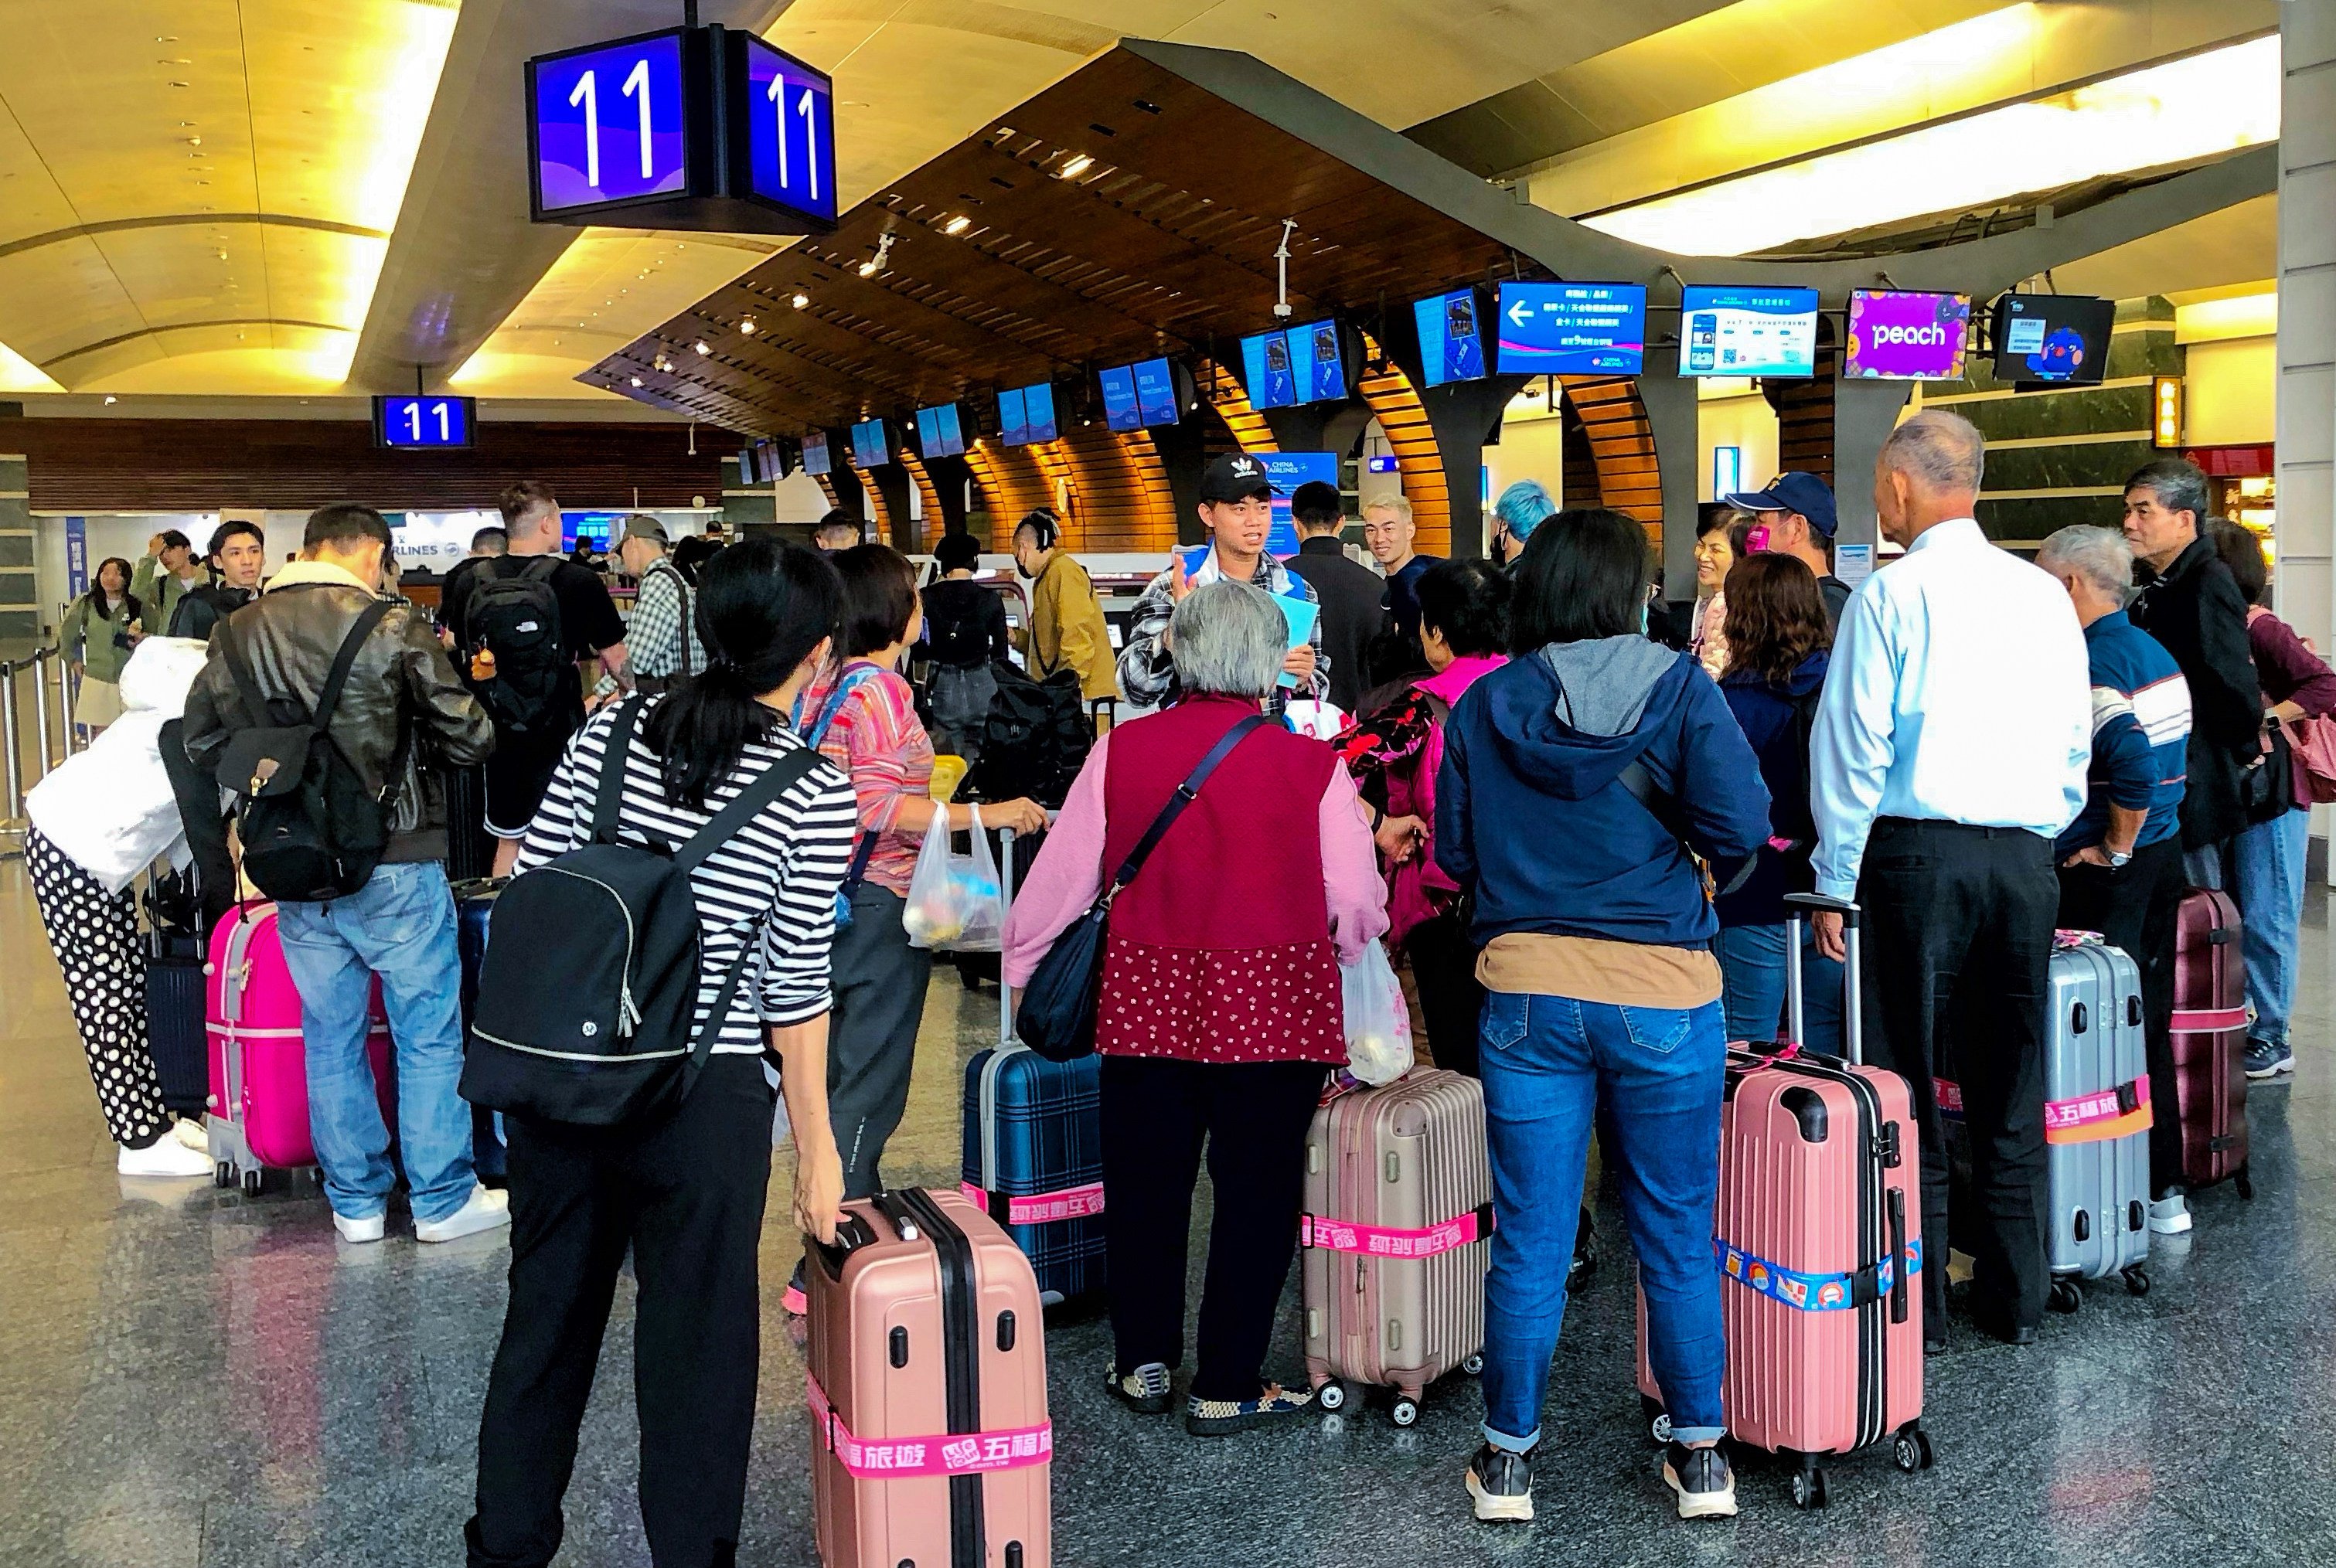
<point>1034,1152</point>
<point>474,903</point>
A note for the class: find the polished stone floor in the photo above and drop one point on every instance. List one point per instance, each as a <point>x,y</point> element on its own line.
<point>188,1377</point>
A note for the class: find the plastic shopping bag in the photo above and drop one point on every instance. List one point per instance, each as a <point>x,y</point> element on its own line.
<point>1378,1025</point>
<point>955,901</point>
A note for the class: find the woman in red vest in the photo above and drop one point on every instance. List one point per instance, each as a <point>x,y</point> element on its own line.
<point>1221,1005</point>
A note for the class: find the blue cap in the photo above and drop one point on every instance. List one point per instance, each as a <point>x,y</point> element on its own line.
<point>1795,492</point>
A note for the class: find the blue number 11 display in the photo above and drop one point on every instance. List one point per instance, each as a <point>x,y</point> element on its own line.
<point>790,132</point>
<point>608,123</point>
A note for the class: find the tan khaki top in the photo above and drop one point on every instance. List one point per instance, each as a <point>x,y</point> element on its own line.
<point>1591,969</point>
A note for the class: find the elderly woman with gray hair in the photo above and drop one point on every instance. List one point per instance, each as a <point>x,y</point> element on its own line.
<point>1220,1008</point>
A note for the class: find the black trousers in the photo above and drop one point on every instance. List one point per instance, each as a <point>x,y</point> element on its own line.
<point>1958,952</point>
<point>1155,1112</point>
<point>686,1195</point>
<point>2134,907</point>
<point>1443,964</point>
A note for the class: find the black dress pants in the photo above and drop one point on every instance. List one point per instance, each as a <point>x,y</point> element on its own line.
<point>1254,1115</point>
<point>1444,966</point>
<point>1958,930</point>
<point>2135,907</point>
<point>685,1195</point>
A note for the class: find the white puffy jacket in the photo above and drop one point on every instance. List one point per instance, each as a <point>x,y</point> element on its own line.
<point>109,808</point>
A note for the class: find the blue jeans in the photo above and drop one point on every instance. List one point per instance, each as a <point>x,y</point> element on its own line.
<point>1549,1062</point>
<point>2269,860</point>
<point>1752,968</point>
<point>399,926</point>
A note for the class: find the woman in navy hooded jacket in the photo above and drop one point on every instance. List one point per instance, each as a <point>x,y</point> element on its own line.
<point>1576,779</point>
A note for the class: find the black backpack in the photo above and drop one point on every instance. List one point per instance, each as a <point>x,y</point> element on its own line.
<point>588,994</point>
<point>311,829</point>
<point>515,616</point>
<point>1034,739</point>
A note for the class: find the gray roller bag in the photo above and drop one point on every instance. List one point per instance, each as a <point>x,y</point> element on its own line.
<point>2097,1117</point>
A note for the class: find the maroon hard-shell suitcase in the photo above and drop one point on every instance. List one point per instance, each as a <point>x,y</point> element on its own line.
<point>1819,1247</point>
<point>2210,1036</point>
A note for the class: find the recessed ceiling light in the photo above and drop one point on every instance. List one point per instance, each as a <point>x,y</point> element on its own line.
<point>957,224</point>
<point>636,380</point>
<point>178,84</point>
<point>194,141</point>
<point>801,300</point>
<point>868,267</point>
<point>746,327</point>
<point>112,399</point>
<point>701,347</point>
<point>1079,164</point>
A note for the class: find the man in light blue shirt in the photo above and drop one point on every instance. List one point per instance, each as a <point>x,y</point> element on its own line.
<point>1949,749</point>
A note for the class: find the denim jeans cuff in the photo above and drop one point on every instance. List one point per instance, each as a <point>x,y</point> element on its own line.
<point>1691,1436</point>
<point>1501,1441</point>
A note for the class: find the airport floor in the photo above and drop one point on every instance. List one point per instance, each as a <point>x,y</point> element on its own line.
<point>191,1377</point>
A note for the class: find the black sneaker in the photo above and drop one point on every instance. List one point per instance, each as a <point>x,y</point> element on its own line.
<point>1215,1417</point>
<point>1144,1390</point>
<point>1701,1476</point>
<point>1499,1480</point>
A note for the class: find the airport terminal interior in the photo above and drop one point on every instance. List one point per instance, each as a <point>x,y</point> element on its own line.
<point>924,269</point>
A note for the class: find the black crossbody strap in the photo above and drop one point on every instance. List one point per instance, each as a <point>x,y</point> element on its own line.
<point>608,799</point>
<point>1184,797</point>
<point>345,660</point>
<point>776,780</point>
<point>1642,788</point>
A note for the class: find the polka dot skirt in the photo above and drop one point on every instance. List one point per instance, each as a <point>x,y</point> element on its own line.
<point>94,935</point>
<point>1242,1004</point>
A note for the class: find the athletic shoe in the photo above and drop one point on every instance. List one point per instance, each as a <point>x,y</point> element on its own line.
<point>796,1303</point>
<point>2266,1059</point>
<point>1702,1478</point>
<point>1144,1390</point>
<point>193,1134</point>
<point>2169,1215</point>
<point>369,1228</point>
<point>1499,1480</point>
<point>483,1211</point>
<point>165,1157</point>
<point>1215,1417</point>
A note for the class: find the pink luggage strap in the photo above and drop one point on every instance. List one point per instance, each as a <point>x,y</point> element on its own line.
<point>2208,1020</point>
<point>1038,1209</point>
<point>1815,1292</point>
<point>944,1454</point>
<point>1387,1241</point>
<point>2108,1113</point>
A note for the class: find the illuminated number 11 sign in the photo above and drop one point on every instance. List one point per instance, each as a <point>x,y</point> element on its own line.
<point>791,136</point>
<point>422,421</point>
<point>609,124</point>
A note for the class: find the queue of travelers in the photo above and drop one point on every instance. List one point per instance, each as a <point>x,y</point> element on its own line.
<point>1975,749</point>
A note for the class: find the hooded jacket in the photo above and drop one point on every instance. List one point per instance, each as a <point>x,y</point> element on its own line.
<point>1534,756</point>
<point>1777,720</point>
<point>109,808</point>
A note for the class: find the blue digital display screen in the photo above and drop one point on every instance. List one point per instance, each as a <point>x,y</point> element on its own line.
<point>1769,332</point>
<point>815,460</point>
<point>789,131</point>
<point>938,433</point>
<point>1451,348</point>
<point>1155,392</point>
<point>1296,364</point>
<point>609,124</point>
<point>1288,470</point>
<point>1572,328</point>
<point>422,421</point>
<point>1119,406</point>
<point>1026,414</point>
<point>1265,357</point>
<point>869,448</point>
<point>587,528</point>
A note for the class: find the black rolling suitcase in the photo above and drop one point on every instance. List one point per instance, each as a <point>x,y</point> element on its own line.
<point>470,847</point>
<point>175,945</point>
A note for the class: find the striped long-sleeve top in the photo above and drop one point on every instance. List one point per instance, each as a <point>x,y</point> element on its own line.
<point>779,873</point>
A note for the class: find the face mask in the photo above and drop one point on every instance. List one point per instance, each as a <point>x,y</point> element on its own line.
<point>1024,570</point>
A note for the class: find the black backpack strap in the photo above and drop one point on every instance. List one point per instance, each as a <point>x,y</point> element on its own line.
<point>1635,778</point>
<point>345,660</point>
<point>775,781</point>
<point>608,799</point>
<point>1184,797</point>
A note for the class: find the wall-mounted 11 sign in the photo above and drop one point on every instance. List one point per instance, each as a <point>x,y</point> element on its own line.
<point>693,128</point>
<point>422,421</point>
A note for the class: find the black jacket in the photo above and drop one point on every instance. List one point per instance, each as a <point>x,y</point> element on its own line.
<point>291,634</point>
<point>1353,611</point>
<point>206,607</point>
<point>2195,609</point>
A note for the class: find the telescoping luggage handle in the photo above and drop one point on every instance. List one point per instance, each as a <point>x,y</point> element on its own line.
<point>1853,994</point>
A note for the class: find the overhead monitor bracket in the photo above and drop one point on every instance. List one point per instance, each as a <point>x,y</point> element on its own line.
<point>1282,270</point>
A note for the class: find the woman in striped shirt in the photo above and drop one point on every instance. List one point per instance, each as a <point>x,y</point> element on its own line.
<point>684,1193</point>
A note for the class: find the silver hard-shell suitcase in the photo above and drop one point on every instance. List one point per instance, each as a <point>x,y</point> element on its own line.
<point>2097,1119</point>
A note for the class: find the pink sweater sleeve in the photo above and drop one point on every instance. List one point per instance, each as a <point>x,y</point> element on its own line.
<point>1350,870</point>
<point>1067,876</point>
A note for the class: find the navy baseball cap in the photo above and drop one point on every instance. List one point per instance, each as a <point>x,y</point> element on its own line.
<point>1795,492</point>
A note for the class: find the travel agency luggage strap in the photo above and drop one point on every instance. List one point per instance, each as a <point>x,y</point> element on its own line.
<point>1391,1242</point>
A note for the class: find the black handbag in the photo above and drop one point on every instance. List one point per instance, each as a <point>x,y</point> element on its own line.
<point>1056,1018</point>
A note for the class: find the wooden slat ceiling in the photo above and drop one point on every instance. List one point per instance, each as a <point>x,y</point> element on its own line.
<point>1163,243</point>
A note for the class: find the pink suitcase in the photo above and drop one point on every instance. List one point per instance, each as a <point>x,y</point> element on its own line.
<point>1396,1237</point>
<point>259,1104</point>
<point>925,1366</point>
<point>1819,1233</point>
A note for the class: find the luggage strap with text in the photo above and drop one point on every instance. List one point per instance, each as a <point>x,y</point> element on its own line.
<point>2208,1020</point>
<point>1814,1292</point>
<point>946,1454</point>
<point>1037,1209</point>
<point>1385,1242</point>
<point>2109,1113</point>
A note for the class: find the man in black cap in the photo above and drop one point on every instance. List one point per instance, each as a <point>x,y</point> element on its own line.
<point>1797,508</point>
<point>1237,508</point>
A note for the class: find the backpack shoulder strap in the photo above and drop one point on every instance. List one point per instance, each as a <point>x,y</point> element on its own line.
<point>608,798</point>
<point>776,780</point>
<point>549,566</point>
<point>345,660</point>
<point>1184,797</point>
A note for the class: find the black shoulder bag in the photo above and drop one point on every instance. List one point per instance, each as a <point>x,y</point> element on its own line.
<point>1057,1015</point>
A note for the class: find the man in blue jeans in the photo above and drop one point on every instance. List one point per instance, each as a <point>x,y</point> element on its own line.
<point>401,701</point>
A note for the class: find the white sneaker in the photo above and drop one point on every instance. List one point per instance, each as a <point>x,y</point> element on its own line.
<point>193,1134</point>
<point>369,1228</point>
<point>2169,1215</point>
<point>485,1210</point>
<point>165,1157</point>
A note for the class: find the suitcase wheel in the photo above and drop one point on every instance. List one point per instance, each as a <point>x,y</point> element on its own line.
<point>1473,1365</point>
<point>1808,1488</point>
<point>1331,1395</point>
<point>2245,1184</point>
<point>2136,1279</point>
<point>2065,1297</point>
<point>1405,1411</point>
<point>1658,1422</point>
<point>1906,1453</point>
<point>251,1183</point>
<point>223,1175</point>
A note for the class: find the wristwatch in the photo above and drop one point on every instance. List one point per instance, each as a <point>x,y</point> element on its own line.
<point>2115,857</point>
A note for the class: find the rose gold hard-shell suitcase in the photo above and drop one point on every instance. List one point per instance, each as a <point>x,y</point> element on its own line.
<point>1818,1241</point>
<point>1397,1235</point>
<point>927,1364</point>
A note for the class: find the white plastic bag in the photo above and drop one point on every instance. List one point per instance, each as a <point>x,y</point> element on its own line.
<point>1378,1025</point>
<point>955,902</point>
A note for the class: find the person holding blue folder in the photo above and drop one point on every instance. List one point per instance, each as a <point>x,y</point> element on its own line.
<point>1237,508</point>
